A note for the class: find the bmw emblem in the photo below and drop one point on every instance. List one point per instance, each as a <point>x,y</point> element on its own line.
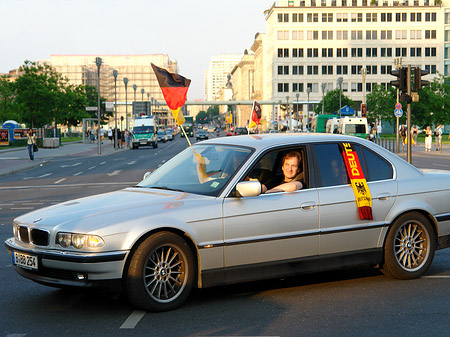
<point>37,220</point>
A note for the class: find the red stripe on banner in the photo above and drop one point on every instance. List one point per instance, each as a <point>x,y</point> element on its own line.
<point>174,96</point>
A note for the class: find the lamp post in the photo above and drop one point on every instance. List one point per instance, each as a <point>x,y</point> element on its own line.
<point>151,106</point>
<point>298,112</point>
<point>324,85</point>
<point>308,91</point>
<point>147,108</point>
<point>363,73</point>
<point>340,79</point>
<point>289,112</point>
<point>115,107</point>
<point>125,81</point>
<point>98,62</point>
<point>134,103</point>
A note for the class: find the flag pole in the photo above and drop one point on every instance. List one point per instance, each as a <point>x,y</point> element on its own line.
<point>187,138</point>
<point>250,119</point>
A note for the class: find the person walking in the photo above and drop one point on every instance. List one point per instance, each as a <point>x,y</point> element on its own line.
<point>379,131</point>
<point>110,134</point>
<point>428,138</point>
<point>403,135</point>
<point>415,133</point>
<point>438,137</point>
<point>31,143</point>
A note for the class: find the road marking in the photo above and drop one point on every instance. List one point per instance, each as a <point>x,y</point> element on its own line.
<point>32,203</point>
<point>132,162</point>
<point>436,276</point>
<point>8,158</point>
<point>42,176</point>
<point>73,165</point>
<point>129,183</point>
<point>133,319</point>
<point>92,167</point>
<point>103,163</point>
<point>6,204</point>
<point>22,207</point>
<point>78,173</point>
<point>59,181</point>
<point>441,165</point>
<point>116,172</point>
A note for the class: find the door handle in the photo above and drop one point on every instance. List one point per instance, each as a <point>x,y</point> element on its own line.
<point>307,206</point>
<point>383,196</point>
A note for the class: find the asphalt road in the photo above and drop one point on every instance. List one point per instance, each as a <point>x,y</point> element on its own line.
<point>354,302</point>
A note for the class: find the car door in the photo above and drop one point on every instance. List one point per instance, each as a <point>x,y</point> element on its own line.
<point>271,227</point>
<point>341,229</point>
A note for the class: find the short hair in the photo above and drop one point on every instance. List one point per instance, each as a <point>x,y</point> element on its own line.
<point>292,154</point>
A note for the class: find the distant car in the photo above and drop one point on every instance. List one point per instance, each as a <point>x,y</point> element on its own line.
<point>211,128</point>
<point>274,131</point>
<point>202,134</point>
<point>169,134</point>
<point>201,220</point>
<point>229,133</point>
<point>240,131</point>
<point>161,134</point>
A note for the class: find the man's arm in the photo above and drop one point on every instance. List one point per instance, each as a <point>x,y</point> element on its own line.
<point>286,187</point>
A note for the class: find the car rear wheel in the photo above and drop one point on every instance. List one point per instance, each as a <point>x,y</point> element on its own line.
<point>409,248</point>
<point>161,273</point>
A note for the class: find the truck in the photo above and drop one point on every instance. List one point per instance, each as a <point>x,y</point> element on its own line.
<point>188,126</point>
<point>144,132</point>
<point>319,122</point>
<point>354,126</point>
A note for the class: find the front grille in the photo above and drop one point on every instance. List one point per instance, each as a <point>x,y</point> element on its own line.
<point>39,237</point>
<point>23,234</point>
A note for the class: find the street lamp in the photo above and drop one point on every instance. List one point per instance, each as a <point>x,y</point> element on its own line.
<point>98,62</point>
<point>298,112</point>
<point>115,106</point>
<point>134,103</point>
<point>125,81</point>
<point>363,73</point>
<point>340,79</point>
<point>142,93</point>
<point>324,85</point>
<point>151,106</point>
<point>308,91</point>
<point>148,106</point>
<point>289,112</point>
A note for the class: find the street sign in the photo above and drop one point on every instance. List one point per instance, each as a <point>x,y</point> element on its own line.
<point>398,106</point>
<point>91,108</point>
<point>398,112</point>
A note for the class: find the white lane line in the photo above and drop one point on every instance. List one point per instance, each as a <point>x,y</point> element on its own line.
<point>59,181</point>
<point>103,163</point>
<point>32,203</point>
<point>131,162</point>
<point>45,175</point>
<point>22,207</point>
<point>116,172</point>
<point>133,319</point>
<point>129,183</point>
<point>73,165</point>
<point>78,173</point>
<point>6,204</point>
<point>92,167</point>
<point>436,276</point>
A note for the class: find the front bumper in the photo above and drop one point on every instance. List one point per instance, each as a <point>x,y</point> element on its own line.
<point>63,268</point>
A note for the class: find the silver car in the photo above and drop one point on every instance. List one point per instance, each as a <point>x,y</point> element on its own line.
<point>200,220</point>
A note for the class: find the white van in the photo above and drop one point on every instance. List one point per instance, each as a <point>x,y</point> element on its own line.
<point>332,125</point>
<point>354,126</point>
<point>144,132</point>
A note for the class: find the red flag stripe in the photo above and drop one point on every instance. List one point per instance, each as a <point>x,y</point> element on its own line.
<point>174,96</point>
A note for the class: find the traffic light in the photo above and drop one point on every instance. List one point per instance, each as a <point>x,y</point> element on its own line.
<point>418,82</point>
<point>401,82</point>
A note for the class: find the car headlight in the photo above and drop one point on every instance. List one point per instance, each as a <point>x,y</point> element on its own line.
<point>79,241</point>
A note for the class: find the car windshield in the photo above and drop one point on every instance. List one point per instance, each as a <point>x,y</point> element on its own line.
<point>205,172</point>
<point>160,132</point>
<point>201,132</point>
<point>143,129</point>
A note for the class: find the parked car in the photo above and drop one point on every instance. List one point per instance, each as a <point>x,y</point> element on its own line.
<point>202,134</point>
<point>161,134</point>
<point>200,220</point>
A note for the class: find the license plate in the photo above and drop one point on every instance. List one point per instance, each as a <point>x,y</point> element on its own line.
<point>25,260</point>
<point>144,143</point>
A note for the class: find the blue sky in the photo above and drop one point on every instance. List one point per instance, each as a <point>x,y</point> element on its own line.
<point>190,32</point>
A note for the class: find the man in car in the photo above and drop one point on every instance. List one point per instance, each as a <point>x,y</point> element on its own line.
<point>291,170</point>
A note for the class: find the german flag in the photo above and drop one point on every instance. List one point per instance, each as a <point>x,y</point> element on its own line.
<point>174,88</point>
<point>256,115</point>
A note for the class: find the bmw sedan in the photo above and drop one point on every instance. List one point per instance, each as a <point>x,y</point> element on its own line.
<point>203,219</point>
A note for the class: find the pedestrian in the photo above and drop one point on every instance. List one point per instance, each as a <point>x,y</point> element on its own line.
<point>379,131</point>
<point>122,139</point>
<point>31,143</point>
<point>438,137</point>
<point>403,135</point>
<point>110,134</point>
<point>415,133</point>
<point>102,134</point>
<point>92,135</point>
<point>119,139</point>
<point>428,138</point>
<point>127,138</point>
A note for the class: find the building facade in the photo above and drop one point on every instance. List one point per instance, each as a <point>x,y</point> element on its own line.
<point>216,76</point>
<point>311,46</point>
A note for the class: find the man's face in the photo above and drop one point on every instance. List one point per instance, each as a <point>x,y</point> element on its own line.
<point>290,168</point>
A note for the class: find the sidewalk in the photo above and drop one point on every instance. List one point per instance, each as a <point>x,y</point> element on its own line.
<point>16,160</point>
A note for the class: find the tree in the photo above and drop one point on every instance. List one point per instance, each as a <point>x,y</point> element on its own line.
<point>7,100</point>
<point>331,102</point>
<point>381,104</point>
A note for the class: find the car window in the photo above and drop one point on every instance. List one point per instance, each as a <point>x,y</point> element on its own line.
<point>331,166</point>
<point>377,167</point>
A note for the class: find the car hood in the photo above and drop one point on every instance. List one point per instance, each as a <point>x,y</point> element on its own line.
<point>120,207</point>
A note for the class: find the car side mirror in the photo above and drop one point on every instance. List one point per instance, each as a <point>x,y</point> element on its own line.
<point>249,188</point>
<point>146,174</point>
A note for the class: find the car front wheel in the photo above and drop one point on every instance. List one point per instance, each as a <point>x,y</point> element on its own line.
<point>409,248</point>
<point>161,273</point>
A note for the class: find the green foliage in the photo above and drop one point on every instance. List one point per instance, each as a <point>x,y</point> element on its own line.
<point>381,104</point>
<point>7,93</point>
<point>331,102</point>
<point>206,117</point>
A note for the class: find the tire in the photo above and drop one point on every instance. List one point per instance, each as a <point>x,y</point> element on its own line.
<point>165,261</point>
<point>409,247</point>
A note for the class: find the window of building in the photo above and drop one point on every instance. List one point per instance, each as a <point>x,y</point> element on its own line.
<point>371,17</point>
<point>430,52</point>
<point>297,52</point>
<point>342,17</point>
<point>297,17</point>
<point>371,34</point>
<point>430,34</point>
<point>386,17</point>
<point>327,35</point>
<point>298,35</point>
<point>357,17</point>
<point>283,52</point>
<point>283,35</point>
<point>313,35</point>
<point>327,17</point>
<point>283,70</point>
<point>386,34</point>
<point>297,87</point>
<point>312,17</point>
<point>356,35</point>
<point>415,34</point>
<point>327,70</point>
<point>342,52</point>
<point>400,52</point>
<point>283,17</point>
<point>283,87</point>
<point>430,17</point>
<point>401,34</point>
<point>400,17</point>
<point>431,68</point>
<point>341,35</point>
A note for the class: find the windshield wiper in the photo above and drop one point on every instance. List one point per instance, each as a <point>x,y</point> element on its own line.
<point>166,188</point>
